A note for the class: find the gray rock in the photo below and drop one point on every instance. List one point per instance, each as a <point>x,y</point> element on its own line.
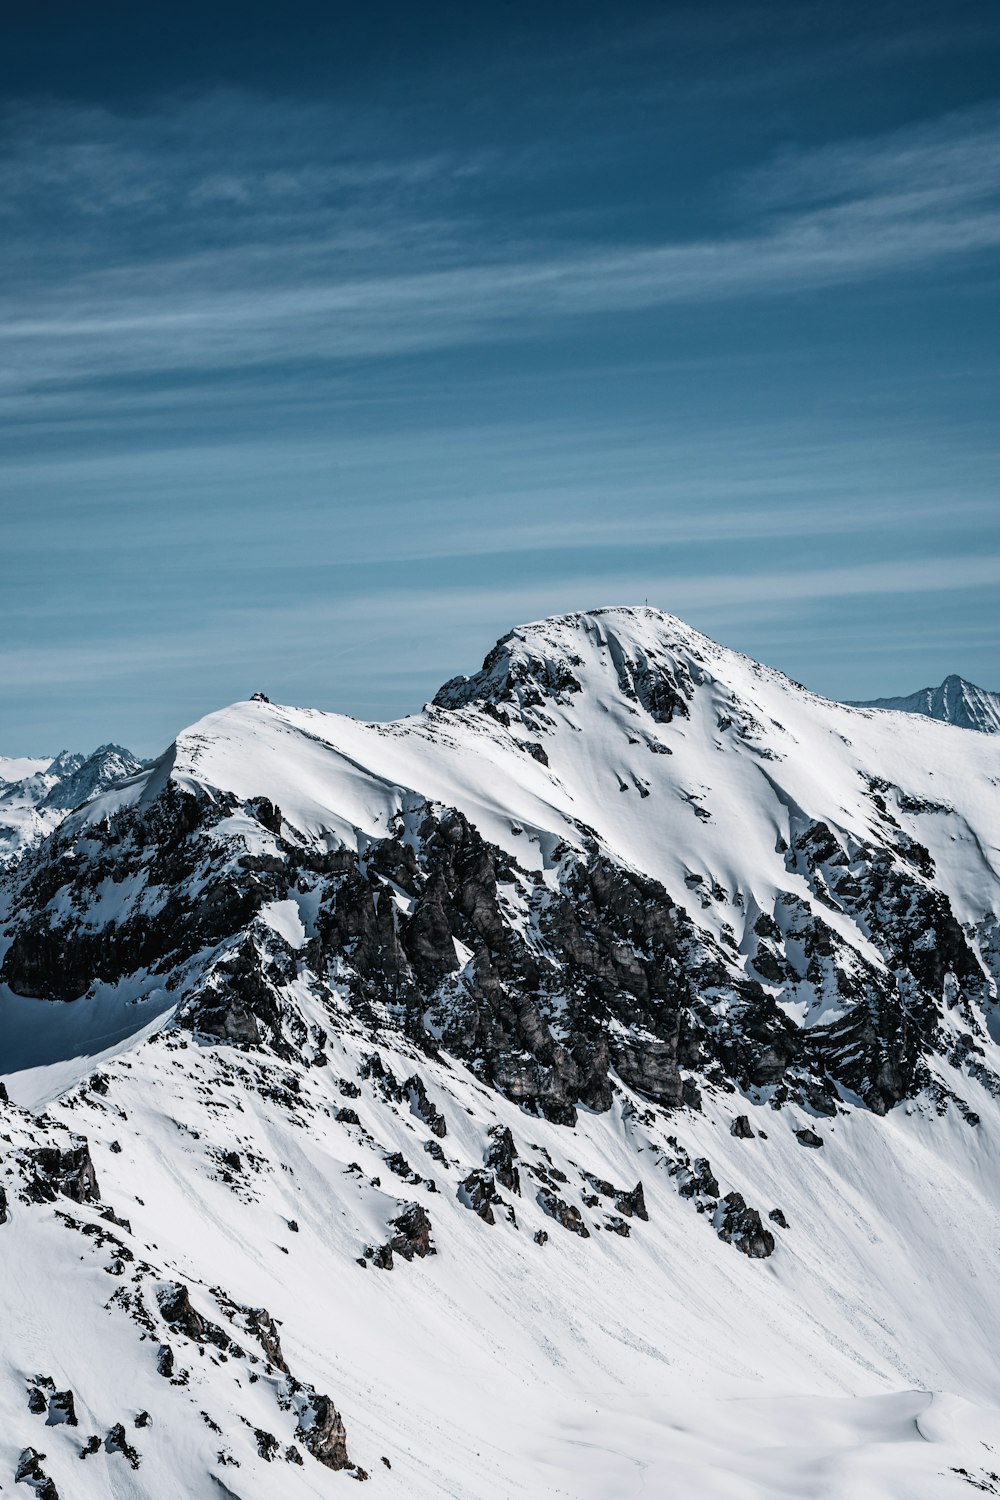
<point>322,1433</point>
<point>738,1225</point>
<point>478,1192</point>
<point>566,1214</point>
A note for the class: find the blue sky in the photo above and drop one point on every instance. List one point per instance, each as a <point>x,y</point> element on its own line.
<point>336,342</point>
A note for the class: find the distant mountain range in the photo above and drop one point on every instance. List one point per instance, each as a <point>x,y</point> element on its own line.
<point>36,794</point>
<point>955,702</point>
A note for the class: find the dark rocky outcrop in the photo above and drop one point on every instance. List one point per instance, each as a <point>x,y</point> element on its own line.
<point>412,1233</point>
<point>566,1214</point>
<point>179,1312</point>
<point>741,1226</point>
<point>478,1192</point>
<point>62,1409</point>
<point>500,1157</point>
<point>321,1431</point>
<point>63,1170</point>
<point>117,1442</point>
<point>422,1106</point>
<point>29,1471</point>
<point>633,1202</point>
<point>697,1180</point>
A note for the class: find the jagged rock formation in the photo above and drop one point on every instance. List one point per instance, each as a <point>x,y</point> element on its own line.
<point>739,1225</point>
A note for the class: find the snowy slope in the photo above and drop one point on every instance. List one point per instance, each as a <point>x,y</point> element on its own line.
<point>955,702</point>
<point>623,911</point>
<point>16,767</point>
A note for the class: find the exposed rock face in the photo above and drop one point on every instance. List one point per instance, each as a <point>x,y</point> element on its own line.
<point>29,1471</point>
<point>175,1305</point>
<point>265,1330</point>
<point>179,1312</point>
<point>697,1179</point>
<point>62,1409</point>
<point>321,1431</point>
<point>632,1203</point>
<point>478,1192</point>
<point>809,1138</point>
<point>117,1442</point>
<point>741,1226</point>
<point>616,943</point>
<point>413,1233</point>
<point>69,1172</point>
<point>423,1108</point>
<point>566,1214</point>
<point>500,1157</point>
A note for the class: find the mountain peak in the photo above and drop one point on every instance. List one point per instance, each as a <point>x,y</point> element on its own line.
<point>642,653</point>
<point>956,701</point>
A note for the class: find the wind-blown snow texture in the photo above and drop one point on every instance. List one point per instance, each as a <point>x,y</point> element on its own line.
<point>586,1087</point>
<point>954,702</point>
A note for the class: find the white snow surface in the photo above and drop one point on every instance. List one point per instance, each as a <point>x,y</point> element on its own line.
<point>857,1363</point>
<point>16,767</point>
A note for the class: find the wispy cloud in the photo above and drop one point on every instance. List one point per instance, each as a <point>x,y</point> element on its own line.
<point>257,633</point>
<point>361,258</point>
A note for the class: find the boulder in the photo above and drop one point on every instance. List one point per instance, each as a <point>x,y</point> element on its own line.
<point>632,1203</point>
<point>478,1192</point>
<point>738,1225</point>
<point>321,1431</point>
<point>413,1233</point>
<point>500,1157</point>
<point>566,1214</point>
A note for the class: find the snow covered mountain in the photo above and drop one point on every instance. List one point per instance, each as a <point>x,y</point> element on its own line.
<point>585,1087</point>
<point>954,702</point>
<point>35,795</point>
